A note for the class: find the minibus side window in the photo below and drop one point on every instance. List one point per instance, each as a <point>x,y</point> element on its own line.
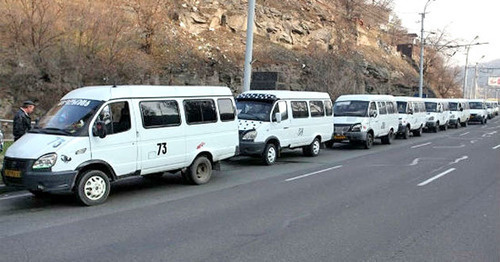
<point>200,111</point>
<point>381,108</point>
<point>160,113</point>
<point>116,117</point>
<point>282,109</point>
<point>373,109</point>
<point>391,109</point>
<point>328,108</point>
<point>226,109</point>
<point>316,108</point>
<point>299,109</point>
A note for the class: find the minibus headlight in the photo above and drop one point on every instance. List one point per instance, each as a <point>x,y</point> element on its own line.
<point>356,128</point>
<point>249,135</point>
<point>45,161</point>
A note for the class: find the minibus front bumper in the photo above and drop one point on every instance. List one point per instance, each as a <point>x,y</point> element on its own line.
<point>431,124</point>
<point>248,148</point>
<point>476,118</point>
<point>18,173</point>
<point>351,136</point>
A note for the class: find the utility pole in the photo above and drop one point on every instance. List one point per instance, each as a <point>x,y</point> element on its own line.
<point>473,95</point>
<point>247,77</point>
<point>466,65</point>
<point>422,44</point>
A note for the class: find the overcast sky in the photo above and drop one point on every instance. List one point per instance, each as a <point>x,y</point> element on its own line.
<point>461,19</point>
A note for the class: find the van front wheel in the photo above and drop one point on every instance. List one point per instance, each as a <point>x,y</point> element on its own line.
<point>199,172</point>
<point>368,143</point>
<point>312,149</point>
<point>270,154</point>
<point>93,188</point>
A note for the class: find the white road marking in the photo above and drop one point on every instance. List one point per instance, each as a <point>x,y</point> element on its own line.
<point>436,177</point>
<point>464,134</point>
<point>459,159</point>
<point>473,141</point>
<point>313,173</point>
<point>421,145</point>
<point>495,147</point>
<point>415,162</point>
<point>489,134</point>
<point>15,196</point>
<point>449,147</point>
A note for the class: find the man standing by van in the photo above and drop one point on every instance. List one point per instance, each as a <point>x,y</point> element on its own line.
<point>22,119</point>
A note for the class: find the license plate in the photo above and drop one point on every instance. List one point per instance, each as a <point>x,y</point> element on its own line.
<point>13,173</point>
<point>339,137</point>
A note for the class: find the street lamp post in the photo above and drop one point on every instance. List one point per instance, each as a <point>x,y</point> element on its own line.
<point>466,65</point>
<point>422,44</point>
<point>476,75</point>
<point>249,46</point>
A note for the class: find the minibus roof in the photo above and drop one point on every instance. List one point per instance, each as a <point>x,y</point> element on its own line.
<point>105,93</point>
<point>409,98</point>
<point>365,98</point>
<point>285,94</point>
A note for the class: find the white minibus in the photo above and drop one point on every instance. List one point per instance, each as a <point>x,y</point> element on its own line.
<point>362,118</point>
<point>412,116</point>
<point>270,121</point>
<point>95,135</point>
<point>478,111</point>
<point>438,114</point>
<point>459,112</point>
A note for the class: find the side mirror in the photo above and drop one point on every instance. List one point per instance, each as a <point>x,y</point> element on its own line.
<point>99,130</point>
<point>277,116</point>
<point>410,111</point>
<point>461,109</point>
<point>373,114</point>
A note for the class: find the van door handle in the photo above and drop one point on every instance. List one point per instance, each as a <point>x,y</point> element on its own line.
<point>286,127</point>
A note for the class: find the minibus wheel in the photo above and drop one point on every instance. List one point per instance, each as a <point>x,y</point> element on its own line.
<point>199,172</point>
<point>418,132</point>
<point>93,187</point>
<point>406,134</point>
<point>388,138</point>
<point>312,149</point>
<point>368,143</point>
<point>270,154</point>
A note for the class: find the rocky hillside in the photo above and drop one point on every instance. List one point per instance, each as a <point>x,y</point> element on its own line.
<point>338,46</point>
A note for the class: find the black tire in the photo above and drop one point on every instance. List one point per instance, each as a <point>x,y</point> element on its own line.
<point>39,194</point>
<point>444,127</point>
<point>313,149</point>
<point>199,172</point>
<point>418,132</point>
<point>329,144</point>
<point>92,188</point>
<point>387,140</point>
<point>406,134</point>
<point>270,154</point>
<point>436,128</point>
<point>465,124</point>
<point>368,143</point>
<point>483,121</point>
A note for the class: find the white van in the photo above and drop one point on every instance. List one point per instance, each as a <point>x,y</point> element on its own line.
<point>478,112</point>
<point>438,114</point>
<point>459,112</point>
<point>490,108</point>
<point>272,120</point>
<point>95,135</point>
<point>412,116</point>
<point>362,118</point>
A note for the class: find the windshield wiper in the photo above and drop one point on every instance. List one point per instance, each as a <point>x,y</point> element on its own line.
<point>53,130</point>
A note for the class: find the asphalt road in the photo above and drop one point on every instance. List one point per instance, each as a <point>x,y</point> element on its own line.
<point>429,198</point>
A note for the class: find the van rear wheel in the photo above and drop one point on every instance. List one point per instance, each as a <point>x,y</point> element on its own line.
<point>270,154</point>
<point>199,172</point>
<point>93,188</point>
<point>312,149</point>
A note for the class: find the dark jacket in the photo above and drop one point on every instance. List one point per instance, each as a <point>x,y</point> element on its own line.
<point>22,123</point>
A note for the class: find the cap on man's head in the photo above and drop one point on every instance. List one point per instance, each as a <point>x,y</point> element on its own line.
<point>28,103</point>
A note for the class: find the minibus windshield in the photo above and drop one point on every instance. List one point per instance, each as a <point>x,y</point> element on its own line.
<point>254,110</point>
<point>476,105</point>
<point>431,107</point>
<point>453,106</point>
<point>69,117</point>
<point>351,108</point>
<point>489,105</point>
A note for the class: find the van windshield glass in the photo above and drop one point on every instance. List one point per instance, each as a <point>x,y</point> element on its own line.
<point>453,106</point>
<point>254,110</point>
<point>351,108</point>
<point>69,117</point>
<point>476,105</point>
<point>402,107</point>
<point>431,107</point>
